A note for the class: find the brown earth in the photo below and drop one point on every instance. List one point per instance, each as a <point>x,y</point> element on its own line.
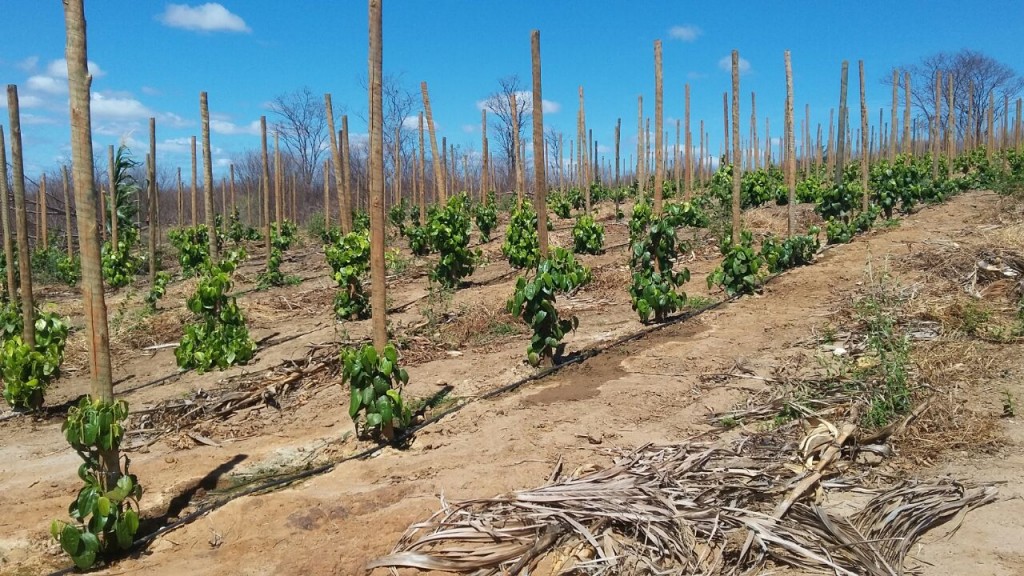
<point>658,388</point>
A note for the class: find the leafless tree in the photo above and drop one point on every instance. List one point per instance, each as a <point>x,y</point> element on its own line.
<point>552,140</point>
<point>506,128</point>
<point>988,76</point>
<point>400,108</point>
<point>302,124</point>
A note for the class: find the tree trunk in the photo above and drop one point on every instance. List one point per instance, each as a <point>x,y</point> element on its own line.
<point>377,271</point>
<point>211,230</point>
<point>439,192</point>
<point>21,217</point>
<point>540,176</point>
<point>737,159</point>
<point>12,289</point>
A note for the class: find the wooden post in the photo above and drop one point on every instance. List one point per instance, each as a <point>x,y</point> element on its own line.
<point>211,231</point>
<point>754,144</point>
<point>618,132</point>
<point>12,288</point>
<point>44,235</point>
<point>725,136</point>
<point>485,184</point>
<point>195,185</point>
<point>895,108</point>
<point>336,161</point>
<point>587,180</point>
<point>97,336</point>
<point>278,182</point>
<point>540,176</point>
<point>737,164</point>
<point>841,131</point>
<point>907,138</point>
<point>154,196</point>
<point>348,195</point>
<point>950,128</point>
<point>377,272</point>
<point>327,194</point>
<point>659,139</point>
<point>641,185</point>
<point>790,147</point>
<point>864,156</point>
<point>422,168</point>
<point>67,208</point>
<point>688,151</point>
<point>933,137</point>
<point>21,218</point>
<point>265,200</point>
<point>516,160</point>
<point>231,175</point>
<point>181,199</point>
<point>439,191</point>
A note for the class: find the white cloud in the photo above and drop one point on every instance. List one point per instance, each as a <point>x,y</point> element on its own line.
<point>150,91</point>
<point>28,101</point>
<point>548,106</point>
<point>29,119</point>
<point>29,64</point>
<point>59,69</point>
<point>228,128</point>
<point>118,107</point>
<point>469,128</point>
<point>725,63</point>
<point>685,32</point>
<point>413,123</point>
<point>47,84</point>
<point>172,120</point>
<point>210,17</point>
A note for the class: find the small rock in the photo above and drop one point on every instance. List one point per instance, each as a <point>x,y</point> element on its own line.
<point>454,353</point>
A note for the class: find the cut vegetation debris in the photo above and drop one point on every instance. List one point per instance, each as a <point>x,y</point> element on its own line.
<point>703,508</point>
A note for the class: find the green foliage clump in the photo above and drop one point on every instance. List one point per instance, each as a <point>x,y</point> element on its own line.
<point>654,289</point>
<point>587,236</point>
<point>640,220</point>
<point>27,371</point>
<point>284,236</point>
<point>534,301</point>
<point>811,189</point>
<point>220,338</point>
<point>419,239</point>
<point>273,276</point>
<point>158,289</point>
<point>758,187</point>
<point>398,214</point>
<point>239,232</point>
<point>193,248</point>
<point>360,221</point>
<point>794,251</point>
<point>105,512</point>
<point>486,217</point>
<point>569,272</point>
<point>686,214</point>
<point>120,265</point>
<point>349,259</point>
<point>560,204</point>
<point>376,384</point>
<point>521,246</point>
<point>3,274</point>
<point>903,181</point>
<point>738,273</point>
<point>448,231</point>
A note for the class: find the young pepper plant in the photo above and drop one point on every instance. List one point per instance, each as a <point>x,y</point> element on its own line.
<point>375,382</point>
<point>349,260</point>
<point>534,302</point>
<point>654,287</point>
<point>105,512</point>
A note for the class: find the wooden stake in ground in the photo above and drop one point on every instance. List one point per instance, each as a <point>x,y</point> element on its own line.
<point>618,132</point>
<point>114,234</point>
<point>154,195</point>
<point>327,194</point>
<point>181,199</point>
<point>516,158</point>
<point>67,208</point>
<point>641,185</point>
<point>736,154</point>
<point>423,169</point>
<point>659,139</point>
<point>377,271</point>
<point>195,185</point>
<point>895,108</point>
<point>278,182</point>
<point>950,128</point>
<point>204,111</point>
<point>484,182</point>
<point>687,151</point>
<point>864,158</point>
<point>933,137</point>
<point>907,139</point>
<point>841,132</point>
<point>726,151</point>
<point>44,234</point>
<point>586,182</point>
<point>21,217</point>
<point>265,184</point>
<point>336,160</point>
<point>539,175</point>
<point>346,168</point>
<point>234,202</point>
<point>790,144</point>
<point>439,191</point>
<point>12,289</point>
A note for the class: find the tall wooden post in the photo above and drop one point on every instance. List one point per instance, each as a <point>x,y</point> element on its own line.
<point>44,235</point>
<point>336,160</point>
<point>195,185</point>
<point>348,195</point>
<point>907,138</point>
<point>265,199</point>
<point>485,184</point>
<point>516,158</point>
<point>687,151</point>
<point>790,144</point>
<point>737,164</point>
<point>540,176</point>
<point>21,216</point>
<point>378,298</point>
<point>422,170</point>
<point>618,132</point>
<point>67,208</point>
<point>659,139</point>
<point>12,289</point>
<point>439,191</point>
<point>864,156</point>
<point>841,129</point>
<point>641,185</point>
<point>211,230</point>
<point>154,196</point>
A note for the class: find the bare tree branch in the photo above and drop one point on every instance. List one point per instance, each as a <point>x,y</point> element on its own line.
<point>302,125</point>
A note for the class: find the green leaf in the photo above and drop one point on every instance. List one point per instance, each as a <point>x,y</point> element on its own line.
<point>355,403</point>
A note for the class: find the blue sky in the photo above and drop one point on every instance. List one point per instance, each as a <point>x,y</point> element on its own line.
<point>154,58</point>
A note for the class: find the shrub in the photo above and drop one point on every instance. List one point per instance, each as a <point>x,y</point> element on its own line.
<point>567,271</point>
<point>376,384</point>
<point>239,232</point>
<point>105,513</point>
<point>534,301</point>
<point>738,273</point>
<point>349,260</point>
<point>640,220</point>
<point>559,204</point>
<point>587,236</point>
<point>158,289</point>
<point>521,246</point>
<point>27,371</point>
<point>794,251</point>
<point>448,231</point>
<point>654,286</point>
<point>486,218</point>
<point>758,187</point>
<point>220,339</point>
<point>193,248</point>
